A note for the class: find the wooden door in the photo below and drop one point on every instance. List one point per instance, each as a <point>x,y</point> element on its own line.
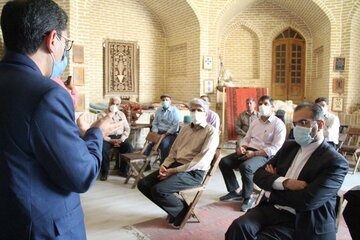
<point>288,66</point>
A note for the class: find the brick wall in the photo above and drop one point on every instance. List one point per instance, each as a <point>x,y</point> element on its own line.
<point>213,28</point>
<point>253,55</point>
<point>353,86</point>
<point>92,23</point>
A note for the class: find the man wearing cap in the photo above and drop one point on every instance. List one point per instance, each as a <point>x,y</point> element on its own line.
<point>166,122</point>
<point>189,159</point>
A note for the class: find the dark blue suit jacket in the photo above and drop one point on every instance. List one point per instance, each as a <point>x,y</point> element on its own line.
<point>324,173</point>
<point>44,164</point>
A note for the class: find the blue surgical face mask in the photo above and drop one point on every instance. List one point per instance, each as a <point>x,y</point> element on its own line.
<point>303,136</point>
<point>165,104</point>
<point>59,66</point>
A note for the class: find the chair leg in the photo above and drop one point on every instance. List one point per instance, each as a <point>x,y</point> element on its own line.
<point>340,210</point>
<point>259,197</point>
<point>190,211</point>
<point>357,160</point>
<point>140,174</point>
<point>132,172</point>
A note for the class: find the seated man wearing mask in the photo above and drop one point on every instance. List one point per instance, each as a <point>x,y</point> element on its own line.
<point>212,118</point>
<point>116,139</point>
<point>189,158</point>
<point>264,138</point>
<point>301,183</point>
<point>166,122</point>
<point>332,122</point>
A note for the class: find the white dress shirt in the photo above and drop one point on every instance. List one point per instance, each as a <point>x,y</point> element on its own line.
<point>301,158</point>
<point>268,136</point>
<point>331,129</point>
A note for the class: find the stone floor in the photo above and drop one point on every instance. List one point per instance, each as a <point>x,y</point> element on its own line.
<point>111,205</point>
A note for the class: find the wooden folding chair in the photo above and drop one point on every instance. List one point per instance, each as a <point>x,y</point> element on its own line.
<point>351,145</point>
<point>139,161</point>
<point>342,139</point>
<point>341,204</point>
<point>356,157</point>
<point>192,200</point>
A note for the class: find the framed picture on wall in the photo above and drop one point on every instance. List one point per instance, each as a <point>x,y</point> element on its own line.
<point>78,53</point>
<point>78,76</point>
<point>208,86</point>
<point>337,104</point>
<point>208,62</point>
<point>339,64</point>
<point>339,85</point>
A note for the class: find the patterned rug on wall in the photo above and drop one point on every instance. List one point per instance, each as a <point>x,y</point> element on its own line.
<point>215,220</point>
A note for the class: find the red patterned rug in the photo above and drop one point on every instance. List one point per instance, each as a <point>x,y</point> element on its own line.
<point>236,103</point>
<point>215,220</point>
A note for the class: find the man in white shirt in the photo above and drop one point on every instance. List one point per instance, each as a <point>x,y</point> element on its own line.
<point>301,183</point>
<point>332,122</point>
<point>264,138</point>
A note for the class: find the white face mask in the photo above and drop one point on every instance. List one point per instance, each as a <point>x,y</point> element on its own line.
<point>198,117</point>
<point>265,110</point>
<point>325,110</point>
<point>114,108</point>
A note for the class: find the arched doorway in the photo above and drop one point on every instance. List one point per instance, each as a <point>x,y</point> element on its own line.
<point>288,67</point>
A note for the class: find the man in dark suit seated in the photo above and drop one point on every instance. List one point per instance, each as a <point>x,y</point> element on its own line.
<point>301,183</point>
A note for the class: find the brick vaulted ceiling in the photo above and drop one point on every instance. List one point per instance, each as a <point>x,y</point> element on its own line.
<point>171,14</point>
<point>313,12</point>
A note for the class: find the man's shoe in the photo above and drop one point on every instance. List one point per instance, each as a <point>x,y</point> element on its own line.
<point>148,168</point>
<point>170,219</point>
<point>247,204</point>
<point>231,196</point>
<point>179,218</point>
<point>103,177</point>
<point>122,174</point>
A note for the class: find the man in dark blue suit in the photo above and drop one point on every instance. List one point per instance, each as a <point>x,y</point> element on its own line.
<point>44,163</point>
<point>301,183</point>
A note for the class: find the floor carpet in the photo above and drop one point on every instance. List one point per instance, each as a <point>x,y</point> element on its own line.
<point>215,219</point>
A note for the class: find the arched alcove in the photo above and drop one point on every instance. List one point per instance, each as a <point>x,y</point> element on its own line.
<point>353,85</point>
<point>240,53</point>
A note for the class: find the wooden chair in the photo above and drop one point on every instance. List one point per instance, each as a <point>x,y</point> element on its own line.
<point>188,194</point>
<point>139,161</point>
<point>351,145</point>
<point>356,157</point>
<point>341,204</point>
<point>342,139</point>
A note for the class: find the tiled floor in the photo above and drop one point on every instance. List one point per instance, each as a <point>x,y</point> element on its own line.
<point>110,205</point>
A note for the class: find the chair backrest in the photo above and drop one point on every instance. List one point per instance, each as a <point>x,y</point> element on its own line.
<point>153,138</point>
<point>353,136</point>
<point>213,167</point>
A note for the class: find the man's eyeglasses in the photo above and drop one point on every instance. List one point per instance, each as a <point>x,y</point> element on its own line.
<point>196,110</point>
<point>68,42</point>
<point>303,123</point>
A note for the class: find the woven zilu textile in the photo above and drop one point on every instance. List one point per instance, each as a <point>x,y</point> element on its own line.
<point>236,103</point>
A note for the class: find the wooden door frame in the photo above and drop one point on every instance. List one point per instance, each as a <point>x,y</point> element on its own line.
<point>288,42</point>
